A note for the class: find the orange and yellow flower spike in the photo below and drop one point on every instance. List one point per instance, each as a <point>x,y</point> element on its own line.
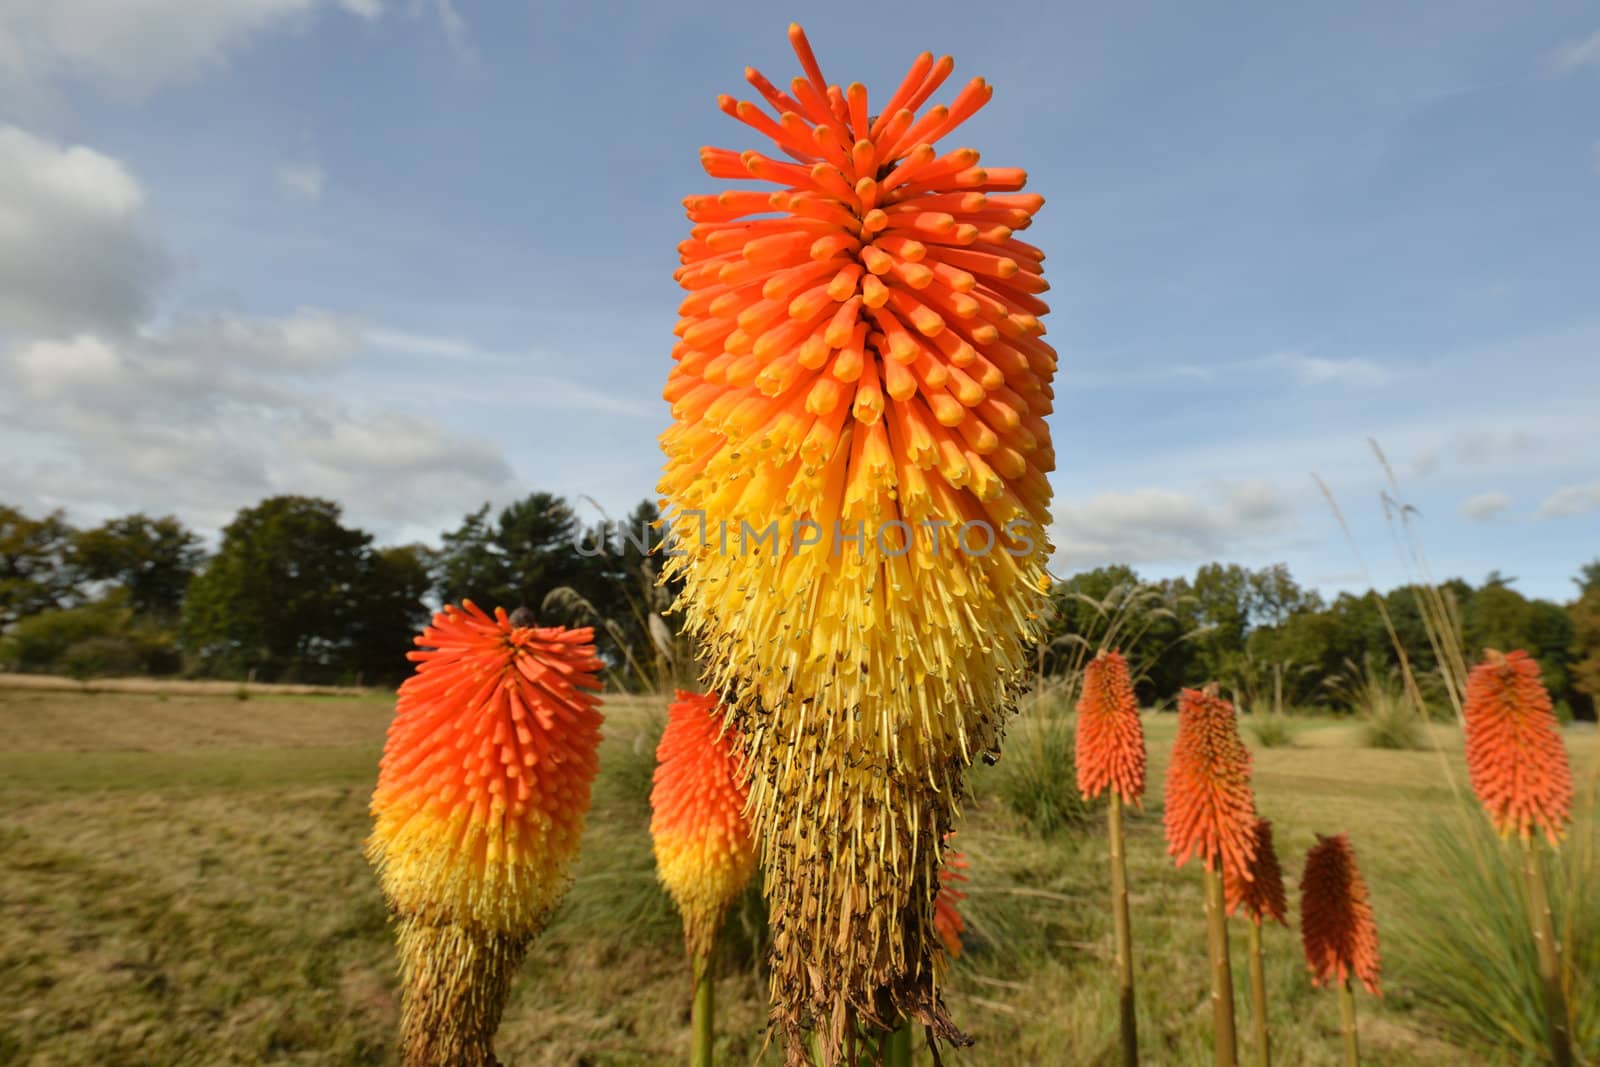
<point>855,476</point>
<point>1337,928</point>
<point>1515,757</point>
<point>1520,772</point>
<point>1259,891</point>
<point>480,803</point>
<point>1210,813</point>
<point>1110,745</point>
<point>704,852</point>
<point>1110,756</point>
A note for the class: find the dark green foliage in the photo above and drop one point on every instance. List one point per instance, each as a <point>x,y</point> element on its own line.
<point>294,595</point>
<point>152,559</point>
<point>98,640</point>
<point>35,571</point>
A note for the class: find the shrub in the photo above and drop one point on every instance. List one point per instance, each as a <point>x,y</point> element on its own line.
<point>1391,722</point>
<point>1035,776</point>
<point>101,657</point>
<point>1271,731</point>
<point>93,640</point>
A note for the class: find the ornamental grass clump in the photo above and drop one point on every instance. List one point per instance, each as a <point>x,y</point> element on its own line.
<point>1210,813</point>
<point>1337,929</point>
<point>1259,891</point>
<point>855,477</point>
<point>1519,770</point>
<point>1111,760</point>
<point>704,853</point>
<point>481,797</point>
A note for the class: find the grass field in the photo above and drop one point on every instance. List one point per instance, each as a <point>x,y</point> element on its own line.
<point>181,882</point>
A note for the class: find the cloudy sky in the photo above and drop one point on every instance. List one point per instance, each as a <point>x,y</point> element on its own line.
<point>415,255</point>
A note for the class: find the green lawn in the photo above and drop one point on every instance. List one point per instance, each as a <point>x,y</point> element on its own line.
<point>181,882</point>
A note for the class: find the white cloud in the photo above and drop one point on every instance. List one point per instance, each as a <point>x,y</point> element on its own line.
<point>1485,506</point>
<point>419,344</point>
<point>455,30</point>
<point>106,408</point>
<point>1570,500</point>
<point>1575,54</point>
<point>302,179</point>
<point>74,249</point>
<point>1316,370</point>
<point>212,412</point>
<point>1155,525</point>
<point>134,47</point>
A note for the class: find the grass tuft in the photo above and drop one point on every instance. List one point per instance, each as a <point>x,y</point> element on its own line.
<point>1036,776</point>
<point>1271,730</point>
<point>1469,958</point>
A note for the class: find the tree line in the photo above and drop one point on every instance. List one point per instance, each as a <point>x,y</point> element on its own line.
<point>1275,645</point>
<point>292,593</point>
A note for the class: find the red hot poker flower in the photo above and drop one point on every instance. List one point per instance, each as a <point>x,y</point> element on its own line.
<point>1515,757</point>
<point>1210,810</point>
<point>704,852</point>
<point>1110,751</point>
<point>947,920</point>
<point>481,798</point>
<point>1336,924</point>
<point>1259,890</point>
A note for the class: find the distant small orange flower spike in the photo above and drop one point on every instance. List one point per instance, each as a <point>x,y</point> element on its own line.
<point>947,920</point>
<point>1110,751</point>
<point>1210,810</point>
<point>1336,924</point>
<point>704,853</point>
<point>484,782</point>
<point>1515,757</point>
<point>1260,890</point>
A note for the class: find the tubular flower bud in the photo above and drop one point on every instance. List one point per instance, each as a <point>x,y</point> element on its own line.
<point>1515,757</point>
<point>1210,811</point>
<point>1260,889</point>
<point>481,797</point>
<point>855,476</point>
<point>704,853</point>
<point>1110,750</point>
<point>1336,925</point>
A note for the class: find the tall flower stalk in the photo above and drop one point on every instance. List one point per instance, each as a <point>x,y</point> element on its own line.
<point>1520,772</point>
<point>1259,891</point>
<point>480,804</point>
<point>1210,813</point>
<point>704,853</point>
<point>1337,930</point>
<point>856,478</point>
<point>1111,759</point>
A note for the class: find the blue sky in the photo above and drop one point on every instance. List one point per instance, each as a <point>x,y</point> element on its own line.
<point>417,254</point>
